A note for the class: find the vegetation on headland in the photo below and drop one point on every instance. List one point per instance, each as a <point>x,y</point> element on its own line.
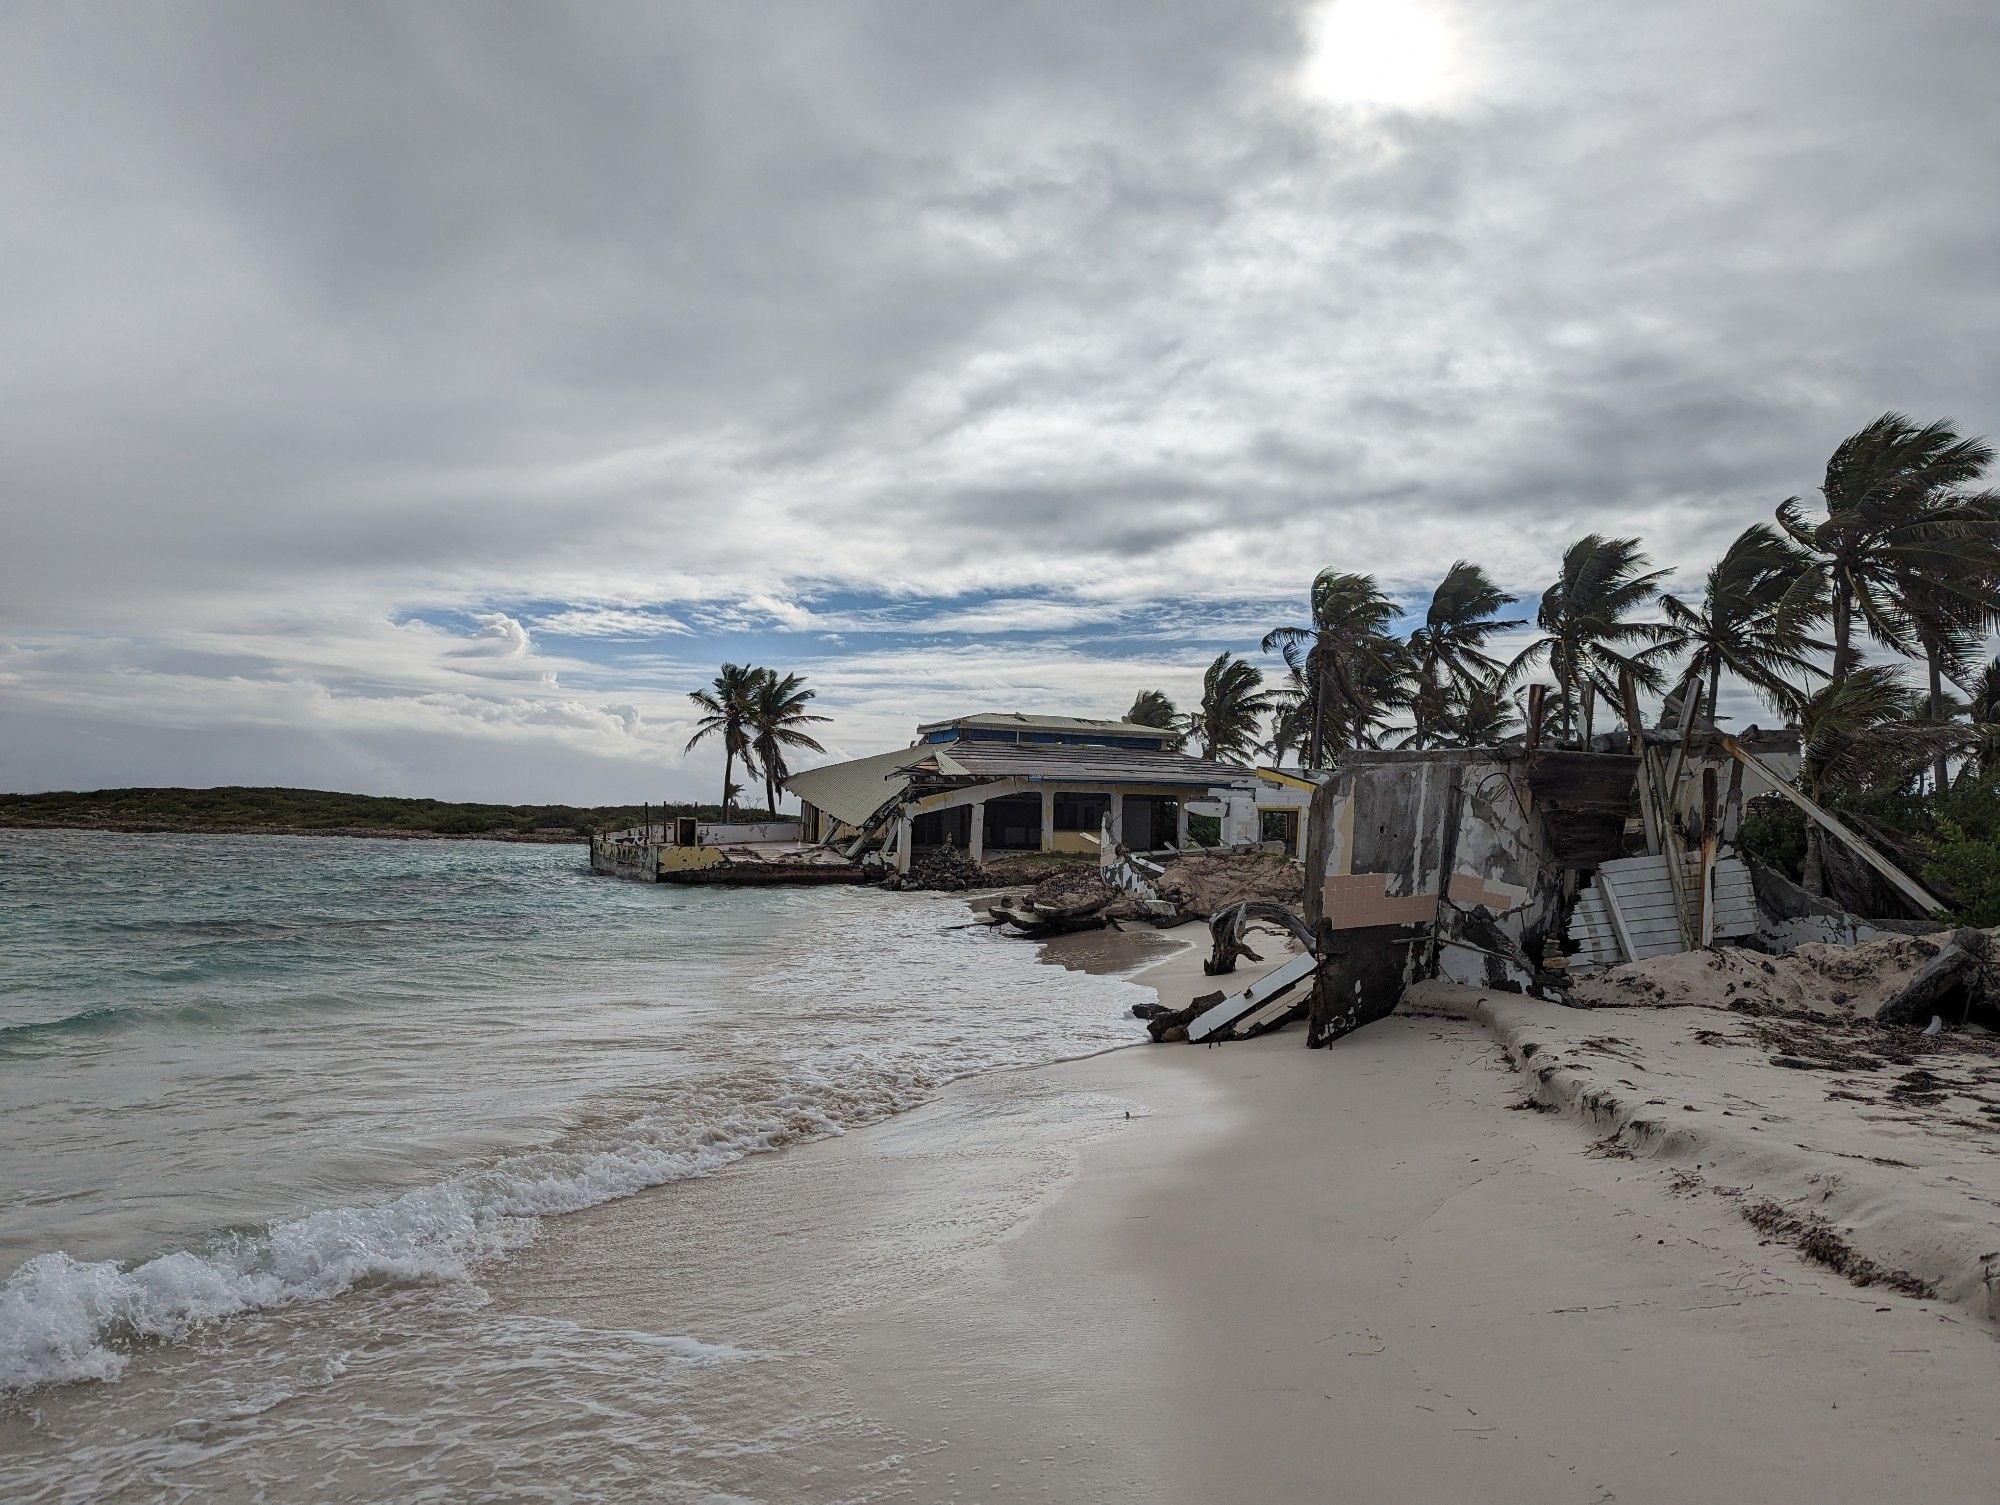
<point>1901,546</point>
<point>319,812</point>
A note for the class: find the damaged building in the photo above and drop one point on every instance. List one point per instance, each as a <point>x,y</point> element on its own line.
<point>1514,867</point>
<point>1005,782</point>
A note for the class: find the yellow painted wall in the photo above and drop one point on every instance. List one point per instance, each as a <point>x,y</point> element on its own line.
<point>688,859</point>
<point>1074,843</point>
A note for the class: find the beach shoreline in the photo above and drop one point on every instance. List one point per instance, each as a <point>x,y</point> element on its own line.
<point>1184,1274</point>
<point>1359,1273</point>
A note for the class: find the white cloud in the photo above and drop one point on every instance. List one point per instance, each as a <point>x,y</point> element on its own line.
<point>1062,322</point>
<point>610,622</point>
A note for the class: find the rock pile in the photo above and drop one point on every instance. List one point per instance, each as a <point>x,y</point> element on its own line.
<point>944,868</point>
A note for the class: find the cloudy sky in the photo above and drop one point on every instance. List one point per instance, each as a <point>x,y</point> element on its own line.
<point>422,399</point>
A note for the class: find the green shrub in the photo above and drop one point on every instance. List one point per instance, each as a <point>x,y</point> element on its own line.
<point>1774,832</point>
<point>1965,866</point>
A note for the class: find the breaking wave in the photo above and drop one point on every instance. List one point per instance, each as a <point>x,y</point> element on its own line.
<point>64,1320</point>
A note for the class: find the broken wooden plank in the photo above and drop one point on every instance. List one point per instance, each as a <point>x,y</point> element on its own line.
<point>1280,979</point>
<point>1608,890</point>
<point>1927,903</point>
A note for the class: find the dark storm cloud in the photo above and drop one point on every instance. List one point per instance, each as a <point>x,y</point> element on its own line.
<point>317,316</point>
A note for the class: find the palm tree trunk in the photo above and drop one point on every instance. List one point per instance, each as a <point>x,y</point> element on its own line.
<point>1714,689</point>
<point>1843,627</point>
<point>1563,697</point>
<point>1318,748</point>
<point>728,775</point>
<point>1940,771</point>
<point>1812,875</point>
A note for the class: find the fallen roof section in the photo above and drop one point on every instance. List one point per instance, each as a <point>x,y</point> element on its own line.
<point>852,791</point>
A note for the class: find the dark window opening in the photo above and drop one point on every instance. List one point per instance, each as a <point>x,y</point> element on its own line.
<point>1278,825</point>
<point>1082,812</point>
<point>1014,823</point>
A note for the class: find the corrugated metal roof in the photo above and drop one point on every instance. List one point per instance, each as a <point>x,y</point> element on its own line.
<point>1112,765</point>
<point>1016,721</point>
<point>852,791</point>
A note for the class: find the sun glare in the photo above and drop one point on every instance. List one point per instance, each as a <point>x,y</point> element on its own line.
<point>1400,54</point>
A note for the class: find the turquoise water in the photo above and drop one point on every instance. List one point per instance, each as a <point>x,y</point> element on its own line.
<point>248,1072</point>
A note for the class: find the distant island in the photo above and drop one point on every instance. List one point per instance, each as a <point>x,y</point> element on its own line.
<point>320,812</point>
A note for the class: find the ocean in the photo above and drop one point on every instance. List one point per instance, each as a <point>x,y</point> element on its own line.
<point>260,1091</point>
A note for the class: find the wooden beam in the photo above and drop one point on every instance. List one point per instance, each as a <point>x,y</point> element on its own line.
<point>1610,896</point>
<point>1705,906</point>
<point>1454,807</point>
<point>1926,902</point>
<point>1628,696</point>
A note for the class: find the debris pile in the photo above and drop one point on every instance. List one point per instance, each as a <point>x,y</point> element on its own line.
<point>942,867</point>
<point>1839,980</point>
<point>1200,883</point>
<point>1041,919</point>
<point>1072,885</point>
<point>1074,898</point>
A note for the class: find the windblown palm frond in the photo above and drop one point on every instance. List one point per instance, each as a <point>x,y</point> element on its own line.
<point>1753,620</point>
<point>1588,635</point>
<point>1868,731</point>
<point>1353,669</point>
<point>1232,702</point>
<point>726,708</point>
<point>1153,708</point>
<point>777,721</point>
<point>1904,548</point>
<point>1448,661</point>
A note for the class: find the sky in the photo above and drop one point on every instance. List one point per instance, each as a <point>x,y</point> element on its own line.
<point>421,399</point>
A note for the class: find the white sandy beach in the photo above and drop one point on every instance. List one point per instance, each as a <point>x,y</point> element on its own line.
<point>1352,1274</point>
<point>1356,1274</point>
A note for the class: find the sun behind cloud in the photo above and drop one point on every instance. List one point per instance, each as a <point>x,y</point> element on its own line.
<point>1395,54</point>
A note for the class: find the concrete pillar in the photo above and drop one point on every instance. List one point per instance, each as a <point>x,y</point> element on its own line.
<point>976,839</point>
<point>1180,822</point>
<point>1114,817</point>
<point>905,839</point>
<point>1048,820</point>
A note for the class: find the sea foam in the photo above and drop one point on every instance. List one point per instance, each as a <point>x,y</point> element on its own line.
<point>65,1320</point>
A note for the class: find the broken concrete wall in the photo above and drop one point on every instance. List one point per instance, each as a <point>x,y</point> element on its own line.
<point>1387,824</point>
<point>1394,833</point>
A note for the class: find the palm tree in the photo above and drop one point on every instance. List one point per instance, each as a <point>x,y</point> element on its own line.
<point>1952,608</point>
<point>1752,619</point>
<point>1353,669</point>
<point>1292,709</point>
<point>1232,700</point>
<point>1480,716</point>
<point>1152,708</point>
<point>726,707</point>
<point>1984,710</point>
<point>777,719</point>
<point>1863,731</point>
<point>1447,651</point>
<point>1899,530</point>
<point>1587,635</point>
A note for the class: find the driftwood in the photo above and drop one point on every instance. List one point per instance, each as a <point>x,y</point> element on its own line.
<point>1054,919</point>
<point>1954,985</point>
<point>1229,926</point>
<point>1171,1024</point>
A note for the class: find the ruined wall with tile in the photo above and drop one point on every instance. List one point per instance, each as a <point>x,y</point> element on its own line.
<point>1380,828</point>
<point>1384,831</point>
